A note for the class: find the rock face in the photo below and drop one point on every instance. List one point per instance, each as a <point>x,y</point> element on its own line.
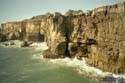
<point>2,37</point>
<point>98,35</point>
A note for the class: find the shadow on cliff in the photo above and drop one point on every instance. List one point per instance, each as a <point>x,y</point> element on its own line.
<point>68,31</point>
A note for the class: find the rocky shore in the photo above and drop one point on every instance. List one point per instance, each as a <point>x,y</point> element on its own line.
<point>98,35</point>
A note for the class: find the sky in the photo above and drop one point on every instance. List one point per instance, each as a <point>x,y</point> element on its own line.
<point>16,10</point>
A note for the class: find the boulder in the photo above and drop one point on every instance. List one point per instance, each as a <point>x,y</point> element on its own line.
<point>24,44</point>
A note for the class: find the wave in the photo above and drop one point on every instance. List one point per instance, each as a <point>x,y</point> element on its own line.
<point>80,65</point>
<point>37,56</point>
<point>85,69</point>
<point>40,46</point>
<point>10,43</point>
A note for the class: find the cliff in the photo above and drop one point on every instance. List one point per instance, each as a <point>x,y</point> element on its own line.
<point>98,35</point>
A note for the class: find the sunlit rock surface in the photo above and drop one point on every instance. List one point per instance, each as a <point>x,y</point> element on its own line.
<point>98,35</point>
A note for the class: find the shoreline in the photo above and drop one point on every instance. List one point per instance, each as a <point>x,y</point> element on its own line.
<point>17,43</point>
<point>80,65</point>
<point>87,71</point>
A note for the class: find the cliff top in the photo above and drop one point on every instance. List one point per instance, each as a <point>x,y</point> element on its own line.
<point>119,6</point>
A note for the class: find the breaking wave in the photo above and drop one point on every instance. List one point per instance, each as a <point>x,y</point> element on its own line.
<point>39,46</point>
<point>79,65</point>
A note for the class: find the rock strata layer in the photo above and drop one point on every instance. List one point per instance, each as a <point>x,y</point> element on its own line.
<point>98,35</point>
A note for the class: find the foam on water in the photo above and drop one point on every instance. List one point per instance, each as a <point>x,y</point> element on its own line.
<point>37,56</point>
<point>83,68</point>
<point>39,46</point>
<point>8,43</point>
<point>80,65</point>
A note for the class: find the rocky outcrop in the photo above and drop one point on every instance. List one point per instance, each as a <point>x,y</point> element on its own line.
<point>98,35</point>
<point>2,37</point>
<point>24,44</point>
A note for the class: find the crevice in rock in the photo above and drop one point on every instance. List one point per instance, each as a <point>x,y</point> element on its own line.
<point>67,54</point>
<point>41,37</point>
<point>91,41</point>
<point>77,34</point>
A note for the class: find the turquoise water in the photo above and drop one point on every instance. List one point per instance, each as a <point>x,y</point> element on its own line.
<point>17,65</point>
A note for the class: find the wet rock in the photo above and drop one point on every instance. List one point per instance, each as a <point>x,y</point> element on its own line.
<point>3,37</point>
<point>6,44</point>
<point>98,35</point>
<point>24,44</point>
<point>49,54</point>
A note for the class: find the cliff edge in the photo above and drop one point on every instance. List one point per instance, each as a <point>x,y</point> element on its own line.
<point>98,35</point>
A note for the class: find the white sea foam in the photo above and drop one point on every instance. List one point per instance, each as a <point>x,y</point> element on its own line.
<point>37,56</point>
<point>15,44</point>
<point>83,68</point>
<point>40,46</point>
<point>80,65</point>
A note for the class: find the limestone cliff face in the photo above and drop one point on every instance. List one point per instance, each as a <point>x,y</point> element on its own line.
<point>98,35</point>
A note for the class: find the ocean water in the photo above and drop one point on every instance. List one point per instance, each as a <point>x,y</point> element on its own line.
<point>26,65</point>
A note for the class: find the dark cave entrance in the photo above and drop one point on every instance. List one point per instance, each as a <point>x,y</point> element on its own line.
<point>41,37</point>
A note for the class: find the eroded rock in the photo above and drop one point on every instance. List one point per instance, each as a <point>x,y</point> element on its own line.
<point>24,44</point>
<point>98,35</point>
